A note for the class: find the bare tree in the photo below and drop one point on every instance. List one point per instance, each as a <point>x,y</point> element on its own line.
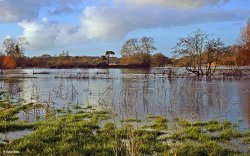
<point>139,48</point>
<point>199,52</point>
<point>245,36</point>
<point>147,45</point>
<point>14,47</point>
<point>243,55</point>
<point>130,47</point>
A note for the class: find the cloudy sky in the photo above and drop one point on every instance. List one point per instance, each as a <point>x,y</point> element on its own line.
<point>90,27</point>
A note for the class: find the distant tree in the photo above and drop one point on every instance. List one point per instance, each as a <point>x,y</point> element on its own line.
<point>64,54</point>
<point>14,47</point>
<point>141,49</point>
<point>147,47</point>
<point>46,56</point>
<point>200,52</point>
<point>245,36</point>
<point>130,47</point>
<point>1,63</point>
<point>103,57</point>
<point>159,60</point>
<point>108,54</point>
<point>9,62</point>
<point>243,55</point>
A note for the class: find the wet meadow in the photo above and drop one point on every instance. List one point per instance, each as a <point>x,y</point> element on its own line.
<point>155,111</point>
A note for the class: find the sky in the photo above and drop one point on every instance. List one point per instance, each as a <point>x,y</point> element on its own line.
<point>91,27</point>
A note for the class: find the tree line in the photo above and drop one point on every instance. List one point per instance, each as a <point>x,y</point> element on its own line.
<point>197,52</point>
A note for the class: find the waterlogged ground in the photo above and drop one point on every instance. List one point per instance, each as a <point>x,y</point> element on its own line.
<point>132,92</point>
<point>73,110</point>
<point>91,131</point>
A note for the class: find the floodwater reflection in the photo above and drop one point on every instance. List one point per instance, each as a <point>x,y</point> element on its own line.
<point>132,92</point>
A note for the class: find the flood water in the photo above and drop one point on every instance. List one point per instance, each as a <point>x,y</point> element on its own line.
<point>132,92</point>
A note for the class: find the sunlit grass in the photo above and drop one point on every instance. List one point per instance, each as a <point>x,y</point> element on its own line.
<point>89,131</point>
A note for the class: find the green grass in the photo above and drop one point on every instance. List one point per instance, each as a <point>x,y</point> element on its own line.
<point>89,131</point>
<point>15,126</point>
<point>131,120</point>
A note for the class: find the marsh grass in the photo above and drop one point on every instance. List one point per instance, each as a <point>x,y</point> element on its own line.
<point>90,131</point>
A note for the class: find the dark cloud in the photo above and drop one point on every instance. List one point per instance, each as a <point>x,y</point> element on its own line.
<point>19,10</point>
<point>108,23</point>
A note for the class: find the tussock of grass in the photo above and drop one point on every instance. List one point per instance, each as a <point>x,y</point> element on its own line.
<point>208,148</point>
<point>131,120</point>
<point>15,126</point>
<point>7,114</point>
<point>230,133</point>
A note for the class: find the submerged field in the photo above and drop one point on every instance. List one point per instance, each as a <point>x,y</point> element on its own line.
<point>92,131</point>
<point>122,112</point>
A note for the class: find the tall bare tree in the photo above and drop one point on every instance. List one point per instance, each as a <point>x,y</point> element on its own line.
<point>199,52</point>
<point>243,55</point>
<point>245,36</point>
<point>130,47</point>
<point>139,48</point>
<point>14,47</point>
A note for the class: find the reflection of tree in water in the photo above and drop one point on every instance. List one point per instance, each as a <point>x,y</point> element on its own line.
<point>134,96</point>
<point>128,98</point>
<point>244,93</point>
<point>65,90</point>
<point>11,89</point>
<point>199,98</point>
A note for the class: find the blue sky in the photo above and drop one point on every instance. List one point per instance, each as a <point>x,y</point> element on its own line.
<point>90,27</point>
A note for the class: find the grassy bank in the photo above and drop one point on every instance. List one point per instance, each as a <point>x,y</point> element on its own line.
<point>89,131</point>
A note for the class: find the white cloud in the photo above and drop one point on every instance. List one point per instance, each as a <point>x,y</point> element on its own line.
<point>106,23</point>
<point>114,23</point>
<point>45,35</point>
<point>173,3</point>
<point>110,23</point>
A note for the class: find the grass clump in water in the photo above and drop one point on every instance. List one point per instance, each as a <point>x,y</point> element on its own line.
<point>210,148</point>
<point>14,126</point>
<point>159,123</point>
<point>131,120</point>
